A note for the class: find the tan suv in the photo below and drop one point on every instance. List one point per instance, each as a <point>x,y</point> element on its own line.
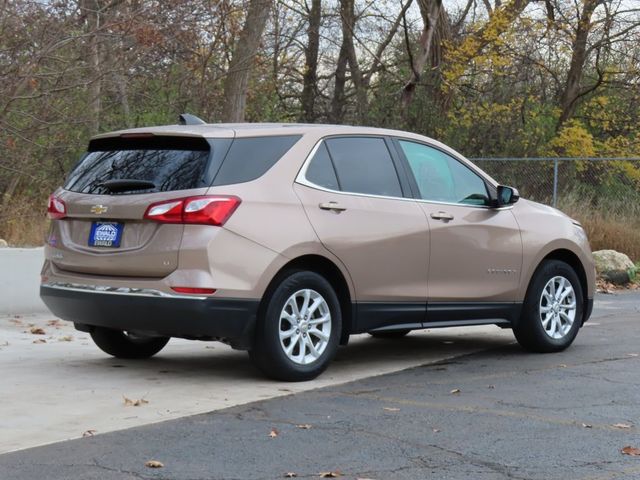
<point>284,240</point>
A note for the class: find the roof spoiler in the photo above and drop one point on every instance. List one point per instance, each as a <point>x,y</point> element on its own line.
<point>188,119</point>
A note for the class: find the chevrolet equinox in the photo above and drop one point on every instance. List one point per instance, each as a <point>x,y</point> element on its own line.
<point>285,239</point>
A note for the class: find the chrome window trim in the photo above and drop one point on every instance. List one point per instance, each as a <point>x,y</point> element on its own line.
<point>107,290</point>
<point>301,179</point>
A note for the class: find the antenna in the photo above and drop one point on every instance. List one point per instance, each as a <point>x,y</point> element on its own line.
<point>188,119</point>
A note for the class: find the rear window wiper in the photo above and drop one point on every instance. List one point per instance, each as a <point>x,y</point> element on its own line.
<point>126,184</point>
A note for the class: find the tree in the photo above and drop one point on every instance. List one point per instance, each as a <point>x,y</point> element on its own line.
<point>245,50</point>
<point>310,75</point>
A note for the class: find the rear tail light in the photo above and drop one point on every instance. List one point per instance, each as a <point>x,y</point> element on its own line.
<point>202,210</point>
<point>57,208</point>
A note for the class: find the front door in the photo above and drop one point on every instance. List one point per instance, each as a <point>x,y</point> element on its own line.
<point>476,250</point>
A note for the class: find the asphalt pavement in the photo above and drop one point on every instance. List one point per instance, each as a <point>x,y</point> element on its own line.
<point>498,413</point>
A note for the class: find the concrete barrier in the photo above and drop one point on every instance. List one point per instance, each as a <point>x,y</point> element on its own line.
<point>20,280</point>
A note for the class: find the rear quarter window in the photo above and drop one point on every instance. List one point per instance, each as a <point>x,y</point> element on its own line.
<point>250,158</point>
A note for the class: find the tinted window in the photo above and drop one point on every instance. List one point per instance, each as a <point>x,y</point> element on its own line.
<point>320,170</point>
<point>442,178</point>
<point>250,158</point>
<point>166,164</point>
<point>364,165</point>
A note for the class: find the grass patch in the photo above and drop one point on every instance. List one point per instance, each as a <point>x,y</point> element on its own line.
<point>611,222</point>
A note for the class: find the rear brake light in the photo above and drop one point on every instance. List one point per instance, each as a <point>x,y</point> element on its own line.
<point>201,210</point>
<point>193,290</point>
<point>57,208</point>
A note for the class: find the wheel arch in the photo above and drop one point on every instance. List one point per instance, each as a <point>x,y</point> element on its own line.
<point>573,260</point>
<point>332,273</point>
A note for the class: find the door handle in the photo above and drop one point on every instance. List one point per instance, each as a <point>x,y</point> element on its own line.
<point>442,216</point>
<point>333,206</point>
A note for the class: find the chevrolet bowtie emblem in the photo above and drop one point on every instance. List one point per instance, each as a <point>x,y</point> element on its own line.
<point>99,209</point>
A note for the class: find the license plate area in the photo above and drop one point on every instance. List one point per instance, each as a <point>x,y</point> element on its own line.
<point>106,234</point>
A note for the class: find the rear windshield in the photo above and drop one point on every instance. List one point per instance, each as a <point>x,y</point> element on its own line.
<point>143,165</point>
<point>150,165</point>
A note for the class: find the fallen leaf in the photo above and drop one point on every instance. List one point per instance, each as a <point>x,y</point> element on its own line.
<point>391,409</point>
<point>436,430</point>
<point>134,403</point>
<point>455,391</point>
<point>89,433</point>
<point>335,474</point>
<point>562,365</point>
<point>66,338</point>
<point>290,475</point>
<point>39,340</point>
<point>622,425</point>
<point>273,433</point>
<point>16,322</point>
<point>37,331</point>
<point>154,464</point>
<point>629,450</point>
<point>586,425</point>
<point>304,426</point>
<point>54,323</point>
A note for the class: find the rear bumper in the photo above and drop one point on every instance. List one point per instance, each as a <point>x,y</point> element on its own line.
<point>205,318</point>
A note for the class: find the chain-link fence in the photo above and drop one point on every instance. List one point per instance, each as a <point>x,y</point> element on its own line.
<point>611,184</point>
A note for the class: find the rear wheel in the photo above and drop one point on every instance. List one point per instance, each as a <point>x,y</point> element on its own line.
<point>553,309</point>
<point>390,335</point>
<point>123,344</point>
<point>299,328</point>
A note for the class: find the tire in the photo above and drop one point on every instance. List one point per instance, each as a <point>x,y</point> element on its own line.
<point>535,330</point>
<point>395,334</point>
<point>125,345</point>
<point>278,319</point>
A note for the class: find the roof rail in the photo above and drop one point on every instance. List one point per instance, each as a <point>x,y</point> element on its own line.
<point>188,119</point>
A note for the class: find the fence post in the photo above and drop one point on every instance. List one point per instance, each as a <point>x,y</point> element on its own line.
<point>555,182</point>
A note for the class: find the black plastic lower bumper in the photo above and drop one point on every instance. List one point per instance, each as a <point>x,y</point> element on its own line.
<point>589,309</point>
<point>229,320</point>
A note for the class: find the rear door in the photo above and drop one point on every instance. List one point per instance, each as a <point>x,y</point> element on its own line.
<point>108,192</point>
<point>354,198</point>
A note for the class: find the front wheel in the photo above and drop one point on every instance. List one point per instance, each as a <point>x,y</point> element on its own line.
<point>298,329</point>
<point>553,309</point>
<point>122,344</point>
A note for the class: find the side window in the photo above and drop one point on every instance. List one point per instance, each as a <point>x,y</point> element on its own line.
<point>364,165</point>
<point>320,170</point>
<point>442,178</point>
<point>250,158</point>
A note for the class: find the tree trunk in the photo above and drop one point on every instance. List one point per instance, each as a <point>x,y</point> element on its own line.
<point>347,12</point>
<point>571,92</point>
<point>337,103</point>
<point>237,79</point>
<point>310,77</point>
<point>430,10</point>
<point>91,12</point>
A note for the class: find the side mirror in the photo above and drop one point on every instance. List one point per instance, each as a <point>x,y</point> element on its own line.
<point>506,196</point>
